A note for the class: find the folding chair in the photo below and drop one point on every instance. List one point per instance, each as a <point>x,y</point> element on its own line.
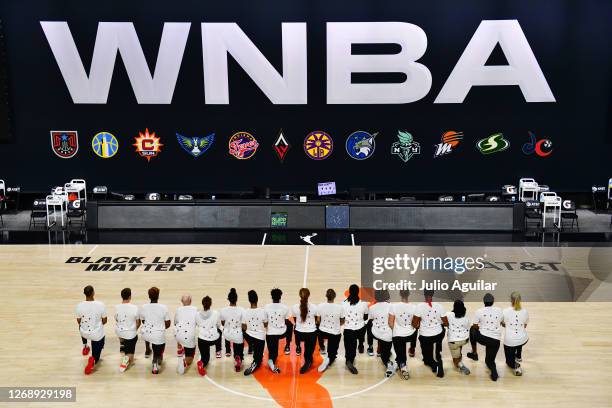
<point>533,213</point>
<point>39,210</point>
<point>528,189</point>
<point>551,204</point>
<point>568,212</point>
<point>76,211</point>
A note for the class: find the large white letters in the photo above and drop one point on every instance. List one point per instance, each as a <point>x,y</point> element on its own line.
<point>340,63</point>
<point>523,69</point>
<point>122,37</point>
<point>219,39</point>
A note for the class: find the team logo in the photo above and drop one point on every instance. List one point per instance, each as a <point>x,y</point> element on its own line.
<point>360,145</point>
<point>405,147</point>
<point>196,146</point>
<point>493,144</point>
<point>147,145</point>
<point>65,144</point>
<point>542,147</point>
<point>281,146</point>
<point>450,140</point>
<point>105,145</point>
<point>318,145</point>
<point>243,145</point>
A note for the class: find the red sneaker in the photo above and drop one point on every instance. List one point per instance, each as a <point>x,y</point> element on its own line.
<point>201,369</point>
<point>90,365</point>
<point>238,364</point>
<point>85,350</point>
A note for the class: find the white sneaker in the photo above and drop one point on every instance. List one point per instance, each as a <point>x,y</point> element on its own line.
<point>518,371</point>
<point>323,365</point>
<point>390,369</point>
<point>180,367</point>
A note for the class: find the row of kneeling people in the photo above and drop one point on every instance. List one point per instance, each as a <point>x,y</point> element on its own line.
<point>394,325</point>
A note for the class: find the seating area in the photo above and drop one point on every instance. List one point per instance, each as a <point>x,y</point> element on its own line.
<point>64,206</point>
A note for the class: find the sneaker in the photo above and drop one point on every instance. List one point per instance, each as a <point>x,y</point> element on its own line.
<point>361,349</point>
<point>251,368</point>
<point>323,365</point>
<point>390,369</point>
<point>494,375</point>
<point>218,354</point>
<point>148,354</point>
<point>404,371</point>
<point>411,352</point>
<point>228,354</point>
<point>287,350</point>
<point>201,368</point>
<point>370,351</point>
<point>180,352</point>
<point>518,360</point>
<point>298,350</point>
<point>90,365</point>
<point>273,368</point>
<point>464,370</point>
<point>155,368</point>
<point>518,371</point>
<point>305,367</point>
<point>322,350</point>
<point>125,362</point>
<point>237,363</point>
<point>440,370</point>
<point>473,356</point>
<point>180,367</point>
<point>85,350</point>
<point>351,368</point>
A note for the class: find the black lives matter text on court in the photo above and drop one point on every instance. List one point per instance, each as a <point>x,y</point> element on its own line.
<point>140,263</point>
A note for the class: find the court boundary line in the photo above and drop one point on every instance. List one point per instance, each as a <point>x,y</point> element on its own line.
<point>306,256</point>
<point>263,241</point>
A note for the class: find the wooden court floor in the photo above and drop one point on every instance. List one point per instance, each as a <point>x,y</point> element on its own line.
<point>567,362</point>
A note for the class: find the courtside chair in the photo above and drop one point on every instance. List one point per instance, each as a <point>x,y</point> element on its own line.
<point>533,213</point>
<point>76,212</point>
<point>2,199</point>
<point>38,213</point>
<point>568,212</point>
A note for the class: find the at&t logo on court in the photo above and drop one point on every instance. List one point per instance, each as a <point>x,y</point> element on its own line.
<point>147,145</point>
<point>105,145</point>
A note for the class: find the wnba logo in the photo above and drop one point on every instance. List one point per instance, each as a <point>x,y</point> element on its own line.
<point>105,145</point>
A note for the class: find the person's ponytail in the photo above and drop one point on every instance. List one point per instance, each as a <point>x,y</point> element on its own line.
<point>304,295</point>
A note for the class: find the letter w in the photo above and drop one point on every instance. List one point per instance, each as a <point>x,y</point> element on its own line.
<point>122,37</point>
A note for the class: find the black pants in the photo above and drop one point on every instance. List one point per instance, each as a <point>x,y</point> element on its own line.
<point>351,337</point>
<point>385,350</point>
<point>272,342</point>
<point>128,346</point>
<point>333,342</point>
<point>96,348</point>
<point>366,330</point>
<point>491,347</point>
<point>218,341</point>
<point>431,348</point>
<point>310,340</point>
<point>238,349</point>
<point>158,352</point>
<point>257,346</point>
<point>512,353</point>
<point>288,333</point>
<point>399,345</point>
<point>204,347</point>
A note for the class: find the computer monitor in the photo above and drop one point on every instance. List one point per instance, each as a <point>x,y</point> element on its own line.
<point>328,188</point>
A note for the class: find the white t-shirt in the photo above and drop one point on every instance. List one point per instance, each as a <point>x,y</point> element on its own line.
<point>489,320</point>
<point>379,314</point>
<point>277,314</point>
<point>403,312</point>
<point>330,314</point>
<point>185,325</point>
<point>208,322</point>
<point>232,329</point>
<point>254,320</point>
<point>309,325</point>
<point>354,315</point>
<point>516,332</point>
<point>431,318</point>
<point>91,314</point>
<point>458,328</point>
<point>154,317</point>
<point>126,315</point>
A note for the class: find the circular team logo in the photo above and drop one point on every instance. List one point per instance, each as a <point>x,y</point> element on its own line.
<point>105,145</point>
<point>360,145</point>
<point>243,145</point>
<point>318,145</point>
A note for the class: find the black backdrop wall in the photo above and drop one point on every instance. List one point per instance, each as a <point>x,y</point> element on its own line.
<point>570,39</point>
